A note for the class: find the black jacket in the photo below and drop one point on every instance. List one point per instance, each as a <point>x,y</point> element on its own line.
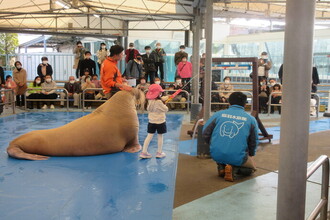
<point>149,62</point>
<point>2,76</point>
<point>49,70</point>
<point>87,64</point>
<point>315,75</point>
<point>72,88</point>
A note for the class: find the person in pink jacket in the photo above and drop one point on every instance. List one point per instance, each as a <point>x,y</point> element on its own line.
<point>184,70</point>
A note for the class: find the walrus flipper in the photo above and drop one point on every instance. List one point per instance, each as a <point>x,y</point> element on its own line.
<point>16,152</point>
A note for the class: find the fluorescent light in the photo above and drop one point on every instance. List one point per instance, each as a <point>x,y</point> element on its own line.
<point>62,5</point>
<point>97,16</point>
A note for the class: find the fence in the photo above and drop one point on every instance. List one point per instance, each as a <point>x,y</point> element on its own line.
<point>12,101</point>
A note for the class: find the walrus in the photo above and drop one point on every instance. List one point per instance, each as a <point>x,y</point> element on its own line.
<point>111,128</point>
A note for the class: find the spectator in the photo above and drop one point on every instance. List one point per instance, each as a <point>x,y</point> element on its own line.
<point>44,68</point>
<point>179,55</point>
<point>2,78</point>
<point>264,92</point>
<point>111,79</point>
<point>86,73</point>
<point>48,91</point>
<point>131,53</point>
<point>87,63</point>
<point>73,89</point>
<point>89,94</point>
<point>79,52</point>
<point>149,65</point>
<point>36,93</point>
<point>159,62</point>
<point>159,82</point>
<point>233,138</point>
<point>276,98</point>
<point>20,78</point>
<point>96,82</point>
<point>10,84</point>
<point>272,82</point>
<point>214,96</point>
<point>224,87</point>
<point>102,54</point>
<point>143,84</point>
<point>134,68</point>
<point>181,97</point>
<point>264,65</point>
<point>184,70</point>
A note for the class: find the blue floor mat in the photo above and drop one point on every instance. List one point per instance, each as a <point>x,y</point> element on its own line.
<point>114,186</point>
<point>189,147</point>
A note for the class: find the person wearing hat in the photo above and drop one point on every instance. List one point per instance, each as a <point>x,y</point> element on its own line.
<point>264,65</point>
<point>131,53</point>
<point>157,120</point>
<point>44,68</point>
<point>87,63</point>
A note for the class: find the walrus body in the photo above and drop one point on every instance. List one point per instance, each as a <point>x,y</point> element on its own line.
<point>113,127</point>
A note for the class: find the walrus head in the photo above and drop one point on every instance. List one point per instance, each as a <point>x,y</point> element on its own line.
<point>139,98</point>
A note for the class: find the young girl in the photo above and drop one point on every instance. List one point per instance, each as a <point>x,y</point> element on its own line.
<point>10,84</point>
<point>156,109</point>
<point>276,98</point>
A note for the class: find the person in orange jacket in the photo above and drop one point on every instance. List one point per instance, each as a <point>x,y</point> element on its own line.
<point>111,78</point>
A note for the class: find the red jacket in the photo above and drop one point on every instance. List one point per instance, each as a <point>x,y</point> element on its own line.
<point>110,75</point>
<point>127,53</point>
<point>184,69</point>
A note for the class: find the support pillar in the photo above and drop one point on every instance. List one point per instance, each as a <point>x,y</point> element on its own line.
<point>196,58</point>
<point>208,59</point>
<point>298,52</point>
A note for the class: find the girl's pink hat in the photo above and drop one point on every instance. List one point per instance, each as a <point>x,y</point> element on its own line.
<point>154,91</point>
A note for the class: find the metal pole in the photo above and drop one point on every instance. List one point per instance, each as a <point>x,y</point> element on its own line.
<point>196,47</point>
<point>298,51</point>
<point>208,59</point>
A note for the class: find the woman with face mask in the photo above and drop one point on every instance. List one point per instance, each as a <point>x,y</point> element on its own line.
<point>44,68</point>
<point>264,65</point>
<point>20,78</point>
<point>226,89</point>
<point>48,91</point>
<point>34,92</point>
<point>160,60</point>
<point>102,54</point>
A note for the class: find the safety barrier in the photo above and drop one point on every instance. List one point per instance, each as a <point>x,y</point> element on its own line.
<point>90,100</point>
<point>44,100</point>
<point>270,102</point>
<point>12,102</point>
<point>322,207</point>
<point>226,103</point>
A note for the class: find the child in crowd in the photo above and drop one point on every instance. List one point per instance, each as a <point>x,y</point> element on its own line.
<point>184,70</point>
<point>89,94</point>
<point>156,114</point>
<point>276,98</point>
<point>34,94</point>
<point>143,84</point>
<point>158,81</point>
<point>86,73</point>
<point>10,84</point>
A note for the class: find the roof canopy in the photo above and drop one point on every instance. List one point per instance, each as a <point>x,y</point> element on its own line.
<point>103,17</point>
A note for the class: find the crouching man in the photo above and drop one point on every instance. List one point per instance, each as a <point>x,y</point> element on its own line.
<point>233,138</point>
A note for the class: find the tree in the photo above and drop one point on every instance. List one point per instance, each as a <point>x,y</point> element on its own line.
<point>8,44</point>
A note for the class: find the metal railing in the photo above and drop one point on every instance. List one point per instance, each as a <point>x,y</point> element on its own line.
<point>317,106</point>
<point>322,206</point>
<point>13,98</point>
<point>45,100</point>
<point>187,102</point>
<point>90,100</point>
<point>227,103</point>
